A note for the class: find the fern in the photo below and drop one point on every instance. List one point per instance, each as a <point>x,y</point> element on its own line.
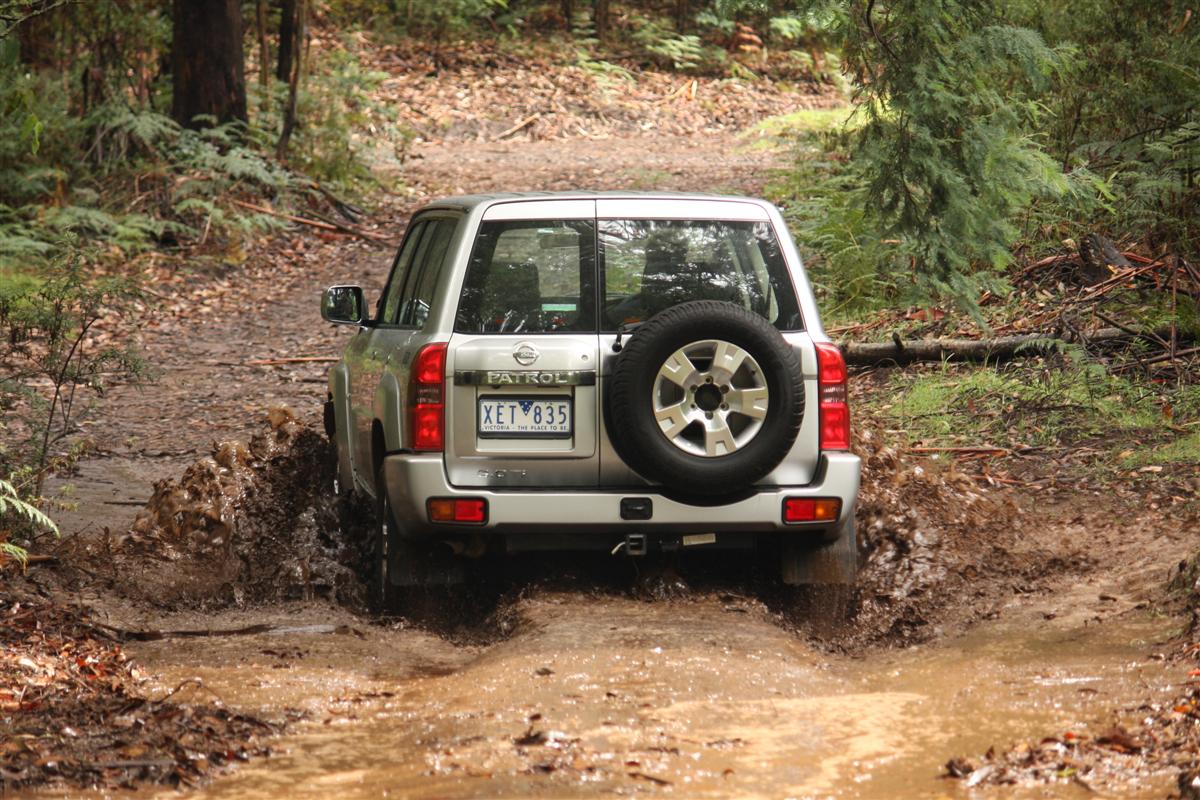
<point>11,505</point>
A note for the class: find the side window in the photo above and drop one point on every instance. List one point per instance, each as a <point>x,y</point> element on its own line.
<point>427,269</point>
<point>404,258</point>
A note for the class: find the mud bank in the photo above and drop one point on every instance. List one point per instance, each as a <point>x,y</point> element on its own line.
<point>251,523</point>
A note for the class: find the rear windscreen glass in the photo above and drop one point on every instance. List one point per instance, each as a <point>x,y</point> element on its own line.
<point>530,276</point>
<point>651,265</point>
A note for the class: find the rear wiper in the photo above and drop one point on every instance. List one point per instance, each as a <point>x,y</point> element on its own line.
<point>622,329</point>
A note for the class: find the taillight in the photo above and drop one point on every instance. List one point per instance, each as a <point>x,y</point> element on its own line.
<point>832,398</point>
<point>428,398</point>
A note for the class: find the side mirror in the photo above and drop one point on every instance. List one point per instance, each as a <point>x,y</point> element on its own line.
<point>343,305</point>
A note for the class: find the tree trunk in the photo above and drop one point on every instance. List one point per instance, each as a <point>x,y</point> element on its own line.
<point>568,12</point>
<point>681,15</point>
<point>207,61</point>
<point>264,52</point>
<point>287,39</point>
<point>289,113</point>
<point>35,39</point>
<point>600,18</point>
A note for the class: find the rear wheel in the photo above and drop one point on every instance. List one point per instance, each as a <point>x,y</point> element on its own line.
<point>384,594</point>
<point>835,563</point>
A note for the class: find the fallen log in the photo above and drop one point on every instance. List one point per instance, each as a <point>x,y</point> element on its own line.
<point>1001,348</point>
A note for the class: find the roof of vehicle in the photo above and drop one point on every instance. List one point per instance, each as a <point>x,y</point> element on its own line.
<point>471,201</point>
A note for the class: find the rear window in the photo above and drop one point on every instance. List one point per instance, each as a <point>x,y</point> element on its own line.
<point>530,276</point>
<point>651,265</point>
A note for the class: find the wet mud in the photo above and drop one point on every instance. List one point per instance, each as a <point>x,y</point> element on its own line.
<point>251,523</point>
<point>706,697</point>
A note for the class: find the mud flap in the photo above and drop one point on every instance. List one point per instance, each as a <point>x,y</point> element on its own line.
<point>835,563</point>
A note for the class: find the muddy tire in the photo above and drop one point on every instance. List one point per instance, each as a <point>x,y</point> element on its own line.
<point>384,593</point>
<point>706,399</point>
<point>833,564</point>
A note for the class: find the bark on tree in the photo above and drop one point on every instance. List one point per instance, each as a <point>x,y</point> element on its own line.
<point>681,15</point>
<point>289,113</point>
<point>287,39</point>
<point>208,61</point>
<point>35,40</point>
<point>264,52</point>
<point>568,12</point>
<point>600,18</point>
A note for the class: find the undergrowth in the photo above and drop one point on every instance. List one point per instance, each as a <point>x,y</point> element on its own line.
<point>1047,403</point>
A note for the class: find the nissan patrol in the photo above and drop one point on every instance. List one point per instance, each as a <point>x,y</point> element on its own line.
<point>620,372</point>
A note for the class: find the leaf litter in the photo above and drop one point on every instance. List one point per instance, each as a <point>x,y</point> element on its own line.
<point>72,711</point>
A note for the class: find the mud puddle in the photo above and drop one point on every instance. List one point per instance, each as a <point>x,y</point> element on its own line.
<point>700,698</point>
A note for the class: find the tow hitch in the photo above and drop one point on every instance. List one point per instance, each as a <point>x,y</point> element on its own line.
<point>634,545</point>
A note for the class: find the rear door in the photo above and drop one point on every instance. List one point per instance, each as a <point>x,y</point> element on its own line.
<point>654,254</point>
<point>377,372</point>
<point>523,404</point>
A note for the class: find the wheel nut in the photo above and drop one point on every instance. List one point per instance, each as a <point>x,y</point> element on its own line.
<point>708,414</point>
<point>724,406</point>
<point>725,389</point>
<point>708,379</point>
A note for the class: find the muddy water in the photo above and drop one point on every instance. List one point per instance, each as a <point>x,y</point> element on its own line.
<point>700,698</point>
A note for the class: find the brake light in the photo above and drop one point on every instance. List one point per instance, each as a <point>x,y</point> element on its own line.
<point>428,398</point>
<point>832,398</point>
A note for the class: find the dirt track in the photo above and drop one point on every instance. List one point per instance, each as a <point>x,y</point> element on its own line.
<point>577,688</point>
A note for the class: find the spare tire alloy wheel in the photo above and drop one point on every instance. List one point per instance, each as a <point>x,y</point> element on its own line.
<point>710,398</point>
<point>706,399</point>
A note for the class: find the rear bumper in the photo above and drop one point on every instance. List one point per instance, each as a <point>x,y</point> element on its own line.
<point>412,479</point>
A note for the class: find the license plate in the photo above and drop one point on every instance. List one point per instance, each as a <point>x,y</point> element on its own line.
<point>525,417</point>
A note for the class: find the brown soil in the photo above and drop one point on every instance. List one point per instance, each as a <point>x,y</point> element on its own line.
<point>572,685</point>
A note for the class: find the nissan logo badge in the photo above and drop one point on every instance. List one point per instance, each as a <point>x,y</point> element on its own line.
<point>525,354</point>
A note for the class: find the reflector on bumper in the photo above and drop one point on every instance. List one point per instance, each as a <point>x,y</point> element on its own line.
<point>811,509</point>
<point>468,511</point>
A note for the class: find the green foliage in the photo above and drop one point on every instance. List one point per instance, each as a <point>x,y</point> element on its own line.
<point>75,177</point>
<point>987,123</point>
<point>52,358</point>
<point>14,508</point>
<point>341,120</point>
<point>682,51</point>
<point>947,97</point>
<point>855,268</point>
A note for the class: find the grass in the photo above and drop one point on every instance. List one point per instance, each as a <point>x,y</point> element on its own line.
<point>1185,449</point>
<point>798,123</point>
<point>1034,404</point>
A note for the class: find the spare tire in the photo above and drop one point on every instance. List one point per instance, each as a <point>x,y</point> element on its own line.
<point>706,398</point>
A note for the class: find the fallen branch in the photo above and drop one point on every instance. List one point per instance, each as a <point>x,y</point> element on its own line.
<point>1000,348</point>
<point>271,362</point>
<point>334,227</point>
<point>532,118</point>
<point>984,449</point>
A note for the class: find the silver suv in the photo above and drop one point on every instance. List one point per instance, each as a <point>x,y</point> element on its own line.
<point>620,372</point>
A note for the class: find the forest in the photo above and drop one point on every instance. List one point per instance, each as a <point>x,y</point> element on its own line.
<point>998,205</point>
